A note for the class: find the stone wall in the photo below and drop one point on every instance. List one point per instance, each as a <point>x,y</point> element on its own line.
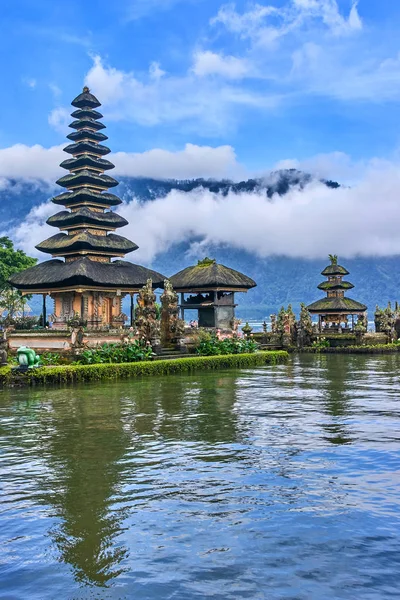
<point>58,341</point>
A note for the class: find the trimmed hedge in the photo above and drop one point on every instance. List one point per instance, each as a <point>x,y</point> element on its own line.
<point>372,349</point>
<point>79,373</point>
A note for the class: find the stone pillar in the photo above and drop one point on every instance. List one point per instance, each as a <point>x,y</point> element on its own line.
<point>132,311</point>
<point>44,311</point>
<point>182,309</point>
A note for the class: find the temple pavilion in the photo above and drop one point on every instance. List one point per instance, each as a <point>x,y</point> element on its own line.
<point>82,278</point>
<point>209,288</point>
<point>334,310</point>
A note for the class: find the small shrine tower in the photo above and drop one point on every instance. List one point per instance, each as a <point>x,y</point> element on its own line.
<point>82,278</point>
<point>335,309</point>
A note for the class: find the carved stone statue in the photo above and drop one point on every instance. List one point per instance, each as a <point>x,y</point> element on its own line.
<point>3,349</point>
<point>273,323</point>
<point>147,324</point>
<point>304,328</point>
<point>172,327</point>
<point>247,329</point>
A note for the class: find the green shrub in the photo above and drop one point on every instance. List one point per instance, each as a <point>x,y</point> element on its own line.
<point>368,349</point>
<point>116,353</point>
<point>50,358</point>
<point>5,375</point>
<point>320,344</point>
<point>80,373</point>
<point>215,347</point>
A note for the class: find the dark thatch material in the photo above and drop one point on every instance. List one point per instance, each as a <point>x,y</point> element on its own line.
<point>87,196</point>
<point>334,270</point>
<point>85,160</point>
<point>87,122</point>
<point>85,100</point>
<point>62,243</point>
<point>85,216</point>
<point>208,274</point>
<point>327,286</point>
<point>55,274</point>
<point>86,134</point>
<point>336,305</point>
<point>86,177</point>
<point>83,113</point>
<point>89,147</point>
<point>86,174</point>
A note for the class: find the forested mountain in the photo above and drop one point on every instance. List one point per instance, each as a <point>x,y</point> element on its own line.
<point>280,280</point>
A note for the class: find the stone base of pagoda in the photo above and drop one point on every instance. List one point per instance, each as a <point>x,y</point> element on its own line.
<point>93,310</point>
<point>60,341</point>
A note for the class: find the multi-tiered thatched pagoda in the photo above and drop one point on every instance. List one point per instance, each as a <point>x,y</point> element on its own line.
<point>82,279</point>
<point>335,309</point>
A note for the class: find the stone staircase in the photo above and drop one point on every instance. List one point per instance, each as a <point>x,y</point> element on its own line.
<point>171,354</point>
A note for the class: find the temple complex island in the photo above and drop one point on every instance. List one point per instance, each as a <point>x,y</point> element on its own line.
<point>209,288</point>
<point>82,278</point>
<point>334,310</point>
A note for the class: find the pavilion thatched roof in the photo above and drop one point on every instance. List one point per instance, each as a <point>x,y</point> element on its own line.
<point>208,274</point>
<point>336,305</point>
<point>54,274</point>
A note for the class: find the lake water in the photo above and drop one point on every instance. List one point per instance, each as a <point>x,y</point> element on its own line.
<point>277,483</point>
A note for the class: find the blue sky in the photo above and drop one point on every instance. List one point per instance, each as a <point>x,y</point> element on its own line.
<point>273,80</point>
<point>207,88</point>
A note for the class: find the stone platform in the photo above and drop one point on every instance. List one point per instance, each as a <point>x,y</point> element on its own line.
<point>59,341</point>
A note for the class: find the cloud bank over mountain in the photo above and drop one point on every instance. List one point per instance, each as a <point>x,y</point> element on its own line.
<point>192,162</point>
<point>307,222</point>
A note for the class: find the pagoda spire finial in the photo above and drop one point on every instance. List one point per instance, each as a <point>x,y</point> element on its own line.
<point>86,90</point>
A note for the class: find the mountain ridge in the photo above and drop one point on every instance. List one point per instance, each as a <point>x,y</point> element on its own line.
<point>280,279</point>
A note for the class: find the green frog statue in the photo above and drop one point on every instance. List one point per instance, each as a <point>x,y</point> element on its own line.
<point>27,358</point>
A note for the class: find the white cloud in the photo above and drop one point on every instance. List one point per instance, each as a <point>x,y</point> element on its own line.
<point>55,90</point>
<point>309,47</point>
<point>191,163</point>
<point>155,71</point>
<point>326,71</point>
<point>305,223</point>
<point>36,162</point>
<point>30,82</point>
<point>59,118</point>
<point>264,24</point>
<point>208,106</point>
<point>31,162</point>
<point>210,63</point>
<point>337,166</point>
<point>28,233</point>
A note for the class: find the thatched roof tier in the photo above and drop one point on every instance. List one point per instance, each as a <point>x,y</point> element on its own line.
<point>208,274</point>
<point>62,244</point>
<point>85,240</point>
<point>86,217</point>
<point>334,269</point>
<point>87,161</point>
<point>327,286</point>
<point>56,274</point>
<point>336,306</point>
<point>87,135</point>
<point>88,178</point>
<point>87,147</point>
<point>83,113</point>
<point>86,123</point>
<point>85,100</point>
<point>85,196</point>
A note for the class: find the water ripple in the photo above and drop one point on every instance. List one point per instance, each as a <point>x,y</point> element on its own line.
<point>279,483</point>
